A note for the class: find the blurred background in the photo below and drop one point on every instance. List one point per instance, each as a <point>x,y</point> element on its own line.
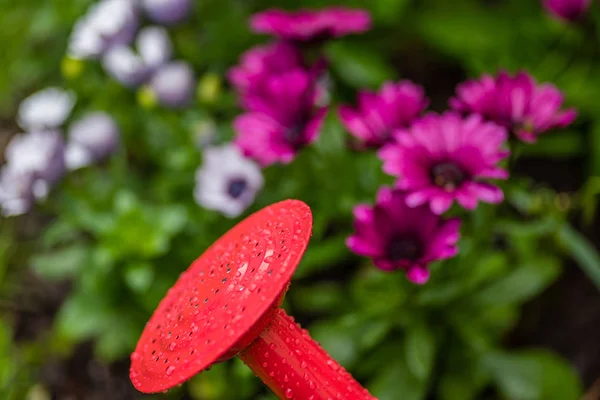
<point>516,315</point>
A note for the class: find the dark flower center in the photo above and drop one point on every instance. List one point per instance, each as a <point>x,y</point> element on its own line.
<point>236,187</point>
<point>447,175</point>
<point>404,248</point>
<point>294,135</point>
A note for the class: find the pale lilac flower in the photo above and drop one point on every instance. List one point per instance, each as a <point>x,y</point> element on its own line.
<point>124,65</point>
<point>107,23</point>
<point>167,11</point>
<point>227,181</point>
<point>377,115</point>
<point>154,46</point>
<point>174,84</point>
<point>16,192</point>
<point>399,237</point>
<point>91,139</point>
<point>311,25</point>
<point>45,109</point>
<point>261,62</point>
<point>131,68</point>
<point>518,103</point>
<point>567,10</point>
<point>282,120</point>
<point>40,154</point>
<point>34,162</point>
<point>443,158</point>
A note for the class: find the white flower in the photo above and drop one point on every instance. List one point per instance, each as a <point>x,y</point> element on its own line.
<point>227,181</point>
<point>39,154</point>
<point>173,84</point>
<point>123,64</point>
<point>34,162</point>
<point>92,138</point>
<point>106,23</point>
<point>154,46</point>
<point>167,11</point>
<point>16,192</point>
<point>46,109</point>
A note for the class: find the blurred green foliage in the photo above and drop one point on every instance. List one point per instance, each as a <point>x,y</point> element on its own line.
<point>123,233</point>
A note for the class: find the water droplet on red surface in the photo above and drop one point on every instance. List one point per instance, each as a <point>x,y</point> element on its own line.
<point>169,371</point>
<point>289,393</point>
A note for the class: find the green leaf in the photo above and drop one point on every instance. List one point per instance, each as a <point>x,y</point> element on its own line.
<point>420,348</point>
<point>119,340</point>
<point>562,145</point>
<point>337,340</point>
<point>172,219</point>
<point>379,292</point>
<point>462,378</point>
<point>359,65</point>
<point>395,381</point>
<point>319,297</point>
<point>388,11</point>
<point>332,140</point>
<point>211,384</point>
<point>322,255</point>
<point>61,263</point>
<point>534,375</point>
<point>582,251</point>
<point>519,285</point>
<point>595,148</point>
<point>82,316</point>
<point>139,276</point>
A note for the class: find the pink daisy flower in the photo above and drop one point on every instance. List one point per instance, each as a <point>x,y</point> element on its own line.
<point>566,10</point>
<point>517,103</point>
<point>442,158</point>
<point>261,62</point>
<point>377,115</point>
<point>311,25</point>
<point>397,236</point>
<point>281,120</point>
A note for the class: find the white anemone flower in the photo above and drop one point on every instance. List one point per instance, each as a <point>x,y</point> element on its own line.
<point>154,46</point>
<point>45,109</point>
<point>40,154</point>
<point>106,23</point>
<point>16,192</point>
<point>123,64</point>
<point>34,162</point>
<point>227,181</point>
<point>92,138</point>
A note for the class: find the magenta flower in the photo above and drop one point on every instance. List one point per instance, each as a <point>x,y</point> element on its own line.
<point>397,236</point>
<point>567,10</point>
<point>395,106</point>
<point>261,62</point>
<point>517,103</point>
<point>281,120</point>
<point>311,25</point>
<point>442,158</point>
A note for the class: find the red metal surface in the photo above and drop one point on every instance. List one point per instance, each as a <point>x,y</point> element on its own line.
<point>295,367</point>
<point>226,299</point>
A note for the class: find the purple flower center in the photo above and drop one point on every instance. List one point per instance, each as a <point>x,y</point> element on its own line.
<point>236,187</point>
<point>447,175</point>
<point>294,135</point>
<point>404,248</point>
